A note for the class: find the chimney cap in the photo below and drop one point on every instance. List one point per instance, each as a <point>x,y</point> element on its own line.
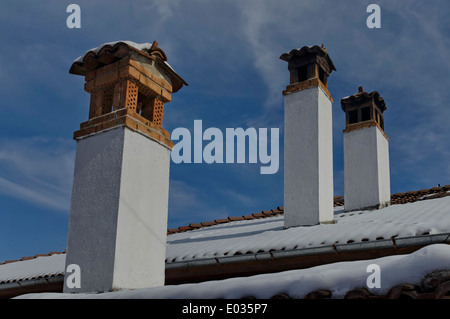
<point>309,50</point>
<point>111,52</point>
<point>361,97</point>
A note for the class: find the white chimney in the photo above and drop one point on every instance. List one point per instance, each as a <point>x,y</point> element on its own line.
<point>118,216</point>
<point>366,152</point>
<point>308,138</point>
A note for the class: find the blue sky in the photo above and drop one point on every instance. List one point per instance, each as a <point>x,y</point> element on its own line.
<point>228,52</point>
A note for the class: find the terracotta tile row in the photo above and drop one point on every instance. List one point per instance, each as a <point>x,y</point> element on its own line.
<point>265,213</point>
<point>397,198</point>
<point>423,194</point>
<point>338,201</point>
<point>33,257</point>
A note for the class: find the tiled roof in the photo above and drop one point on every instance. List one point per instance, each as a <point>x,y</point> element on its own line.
<point>261,234</point>
<point>397,198</point>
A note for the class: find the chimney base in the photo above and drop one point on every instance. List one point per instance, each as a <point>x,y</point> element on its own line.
<point>118,219</point>
<point>366,169</point>
<point>308,158</point>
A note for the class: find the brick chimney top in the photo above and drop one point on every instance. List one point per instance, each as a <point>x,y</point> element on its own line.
<point>306,53</point>
<point>362,97</point>
<point>363,110</point>
<point>129,85</point>
<point>110,52</point>
<point>309,66</point>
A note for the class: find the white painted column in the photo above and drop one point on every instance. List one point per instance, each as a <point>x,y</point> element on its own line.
<point>118,219</point>
<point>308,158</point>
<point>366,169</point>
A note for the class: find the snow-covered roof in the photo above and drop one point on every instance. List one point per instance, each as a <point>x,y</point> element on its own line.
<point>337,278</point>
<point>267,236</point>
<point>40,267</point>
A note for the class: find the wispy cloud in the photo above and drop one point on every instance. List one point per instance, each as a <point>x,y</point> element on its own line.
<point>38,170</point>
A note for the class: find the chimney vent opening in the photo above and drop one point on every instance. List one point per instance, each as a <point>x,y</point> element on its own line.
<point>353,117</point>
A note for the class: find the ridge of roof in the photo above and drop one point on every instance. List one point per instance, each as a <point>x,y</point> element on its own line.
<point>396,199</point>
<point>33,257</point>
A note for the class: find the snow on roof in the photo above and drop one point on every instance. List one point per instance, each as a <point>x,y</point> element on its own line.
<point>338,278</point>
<point>40,267</point>
<point>139,46</point>
<point>428,217</point>
<point>252,236</point>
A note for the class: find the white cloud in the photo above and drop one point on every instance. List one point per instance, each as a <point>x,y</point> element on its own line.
<point>38,170</point>
<point>40,197</point>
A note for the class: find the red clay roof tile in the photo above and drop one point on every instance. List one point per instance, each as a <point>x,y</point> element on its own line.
<point>259,215</point>
<point>221,220</point>
<point>208,223</point>
<point>235,218</point>
<point>26,258</point>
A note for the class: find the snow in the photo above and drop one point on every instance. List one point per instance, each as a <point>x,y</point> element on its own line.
<point>139,46</point>
<point>429,195</point>
<point>339,278</point>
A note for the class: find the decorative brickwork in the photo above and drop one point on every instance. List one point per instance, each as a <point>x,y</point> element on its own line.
<point>107,99</point>
<point>128,118</point>
<point>315,82</point>
<point>158,110</point>
<point>131,96</point>
<point>359,126</point>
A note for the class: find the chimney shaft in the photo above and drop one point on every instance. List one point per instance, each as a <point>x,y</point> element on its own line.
<point>118,217</point>
<point>308,149</point>
<point>366,152</point>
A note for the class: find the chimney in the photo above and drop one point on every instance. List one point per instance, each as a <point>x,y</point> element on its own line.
<point>308,138</point>
<point>118,215</point>
<point>366,152</point>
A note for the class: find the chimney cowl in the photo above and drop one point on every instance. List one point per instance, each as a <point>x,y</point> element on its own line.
<point>306,52</point>
<point>361,97</point>
<point>111,52</point>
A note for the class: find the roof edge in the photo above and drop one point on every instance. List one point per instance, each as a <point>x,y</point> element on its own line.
<point>400,242</point>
